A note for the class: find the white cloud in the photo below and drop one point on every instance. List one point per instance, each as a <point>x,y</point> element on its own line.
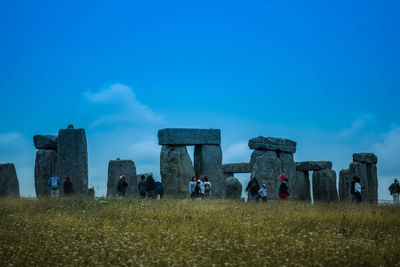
<point>357,125</point>
<point>126,108</point>
<point>237,152</point>
<point>388,151</point>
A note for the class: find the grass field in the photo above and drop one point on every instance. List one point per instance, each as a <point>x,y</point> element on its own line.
<point>170,232</point>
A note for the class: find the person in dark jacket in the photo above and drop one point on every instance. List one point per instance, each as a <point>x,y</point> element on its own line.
<point>159,191</point>
<point>197,193</point>
<point>150,185</point>
<point>142,187</point>
<point>121,187</point>
<point>395,191</point>
<point>253,188</point>
<point>68,187</point>
<point>352,192</point>
<point>284,191</point>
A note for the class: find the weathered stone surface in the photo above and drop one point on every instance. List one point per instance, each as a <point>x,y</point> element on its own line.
<point>45,141</point>
<point>237,168</point>
<point>262,153</point>
<point>116,168</point>
<point>208,162</point>
<point>272,143</point>
<point>176,170</point>
<point>45,167</point>
<point>299,186</point>
<point>72,158</point>
<point>178,136</point>
<point>313,165</point>
<point>268,171</point>
<point>9,185</point>
<point>368,158</point>
<point>233,188</point>
<point>288,165</point>
<point>372,179</point>
<point>324,186</point>
<point>345,178</point>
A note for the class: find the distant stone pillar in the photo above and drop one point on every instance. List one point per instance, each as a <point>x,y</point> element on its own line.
<point>9,185</point>
<point>208,162</point>
<point>176,170</point>
<point>300,186</point>
<point>324,186</point>
<point>116,168</point>
<point>268,171</point>
<point>233,188</point>
<point>72,158</point>
<point>45,167</point>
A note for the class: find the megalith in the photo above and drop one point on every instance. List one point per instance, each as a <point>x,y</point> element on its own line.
<point>242,167</point>
<point>267,171</point>
<point>117,168</point>
<point>176,170</point>
<point>45,142</point>
<point>189,137</point>
<point>313,165</point>
<point>72,158</point>
<point>233,188</point>
<point>324,186</point>
<point>363,167</point>
<point>45,167</point>
<point>299,187</point>
<point>9,185</point>
<point>208,162</point>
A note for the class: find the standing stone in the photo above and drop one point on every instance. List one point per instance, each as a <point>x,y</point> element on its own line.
<point>9,185</point>
<point>176,170</point>
<point>45,141</point>
<point>268,171</point>
<point>117,168</point>
<point>372,180</point>
<point>345,179</point>
<point>288,165</point>
<point>262,153</point>
<point>45,167</point>
<point>72,158</point>
<point>233,188</point>
<point>208,162</point>
<point>299,187</point>
<point>324,186</point>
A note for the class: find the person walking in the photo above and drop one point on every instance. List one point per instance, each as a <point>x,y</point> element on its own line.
<point>284,191</point>
<point>252,188</point>
<point>150,185</point>
<point>263,193</point>
<point>395,191</point>
<point>68,187</point>
<point>142,186</point>
<point>121,187</point>
<point>358,190</point>
<point>192,185</point>
<point>207,188</point>
<point>54,184</point>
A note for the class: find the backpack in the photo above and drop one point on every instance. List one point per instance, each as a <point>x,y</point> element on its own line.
<point>207,188</point>
<point>54,183</point>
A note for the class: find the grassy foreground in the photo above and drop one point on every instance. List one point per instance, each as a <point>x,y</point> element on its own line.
<point>170,232</point>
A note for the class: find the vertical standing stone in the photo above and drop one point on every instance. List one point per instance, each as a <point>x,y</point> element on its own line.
<point>116,168</point>
<point>176,170</point>
<point>9,185</point>
<point>72,158</point>
<point>267,171</point>
<point>299,186</point>
<point>262,153</point>
<point>324,186</point>
<point>345,179</point>
<point>208,162</point>
<point>372,179</point>
<point>360,171</point>
<point>45,167</point>
<point>233,188</point>
<point>288,165</point>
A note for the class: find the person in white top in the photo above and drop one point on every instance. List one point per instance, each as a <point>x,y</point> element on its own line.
<point>358,191</point>
<point>192,185</point>
<point>201,180</point>
<point>263,193</point>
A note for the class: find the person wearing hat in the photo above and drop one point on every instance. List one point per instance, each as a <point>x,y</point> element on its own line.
<point>263,193</point>
<point>122,185</point>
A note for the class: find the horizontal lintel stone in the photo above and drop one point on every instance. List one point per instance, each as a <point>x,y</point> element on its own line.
<point>187,137</point>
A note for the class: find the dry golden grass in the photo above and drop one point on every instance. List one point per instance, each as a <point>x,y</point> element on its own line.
<point>172,232</point>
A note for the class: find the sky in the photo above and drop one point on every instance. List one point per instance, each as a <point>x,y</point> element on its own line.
<point>322,73</point>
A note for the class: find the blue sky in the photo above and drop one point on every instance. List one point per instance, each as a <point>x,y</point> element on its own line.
<point>324,74</point>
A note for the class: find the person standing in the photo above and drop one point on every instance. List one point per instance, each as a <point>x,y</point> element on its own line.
<point>201,180</point>
<point>358,191</point>
<point>263,193</point>
<point>192,185</point>
<point>159,190</point>
<point>197,191</point>
<point>121,187</point>
<point>207,188</point>
<point>54,184</point>
<point>150,185</point>
<point>253,188</point>
<point>395,191</point>
<point>68,187</point>
<point>284,191</point>
<point>352,192</point>
<point>142,186</point>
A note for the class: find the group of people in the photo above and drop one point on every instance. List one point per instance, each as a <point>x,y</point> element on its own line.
<point>200,188</point>
<point>256,192</point>
<point>54,183</point>
<point>149,188</point>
